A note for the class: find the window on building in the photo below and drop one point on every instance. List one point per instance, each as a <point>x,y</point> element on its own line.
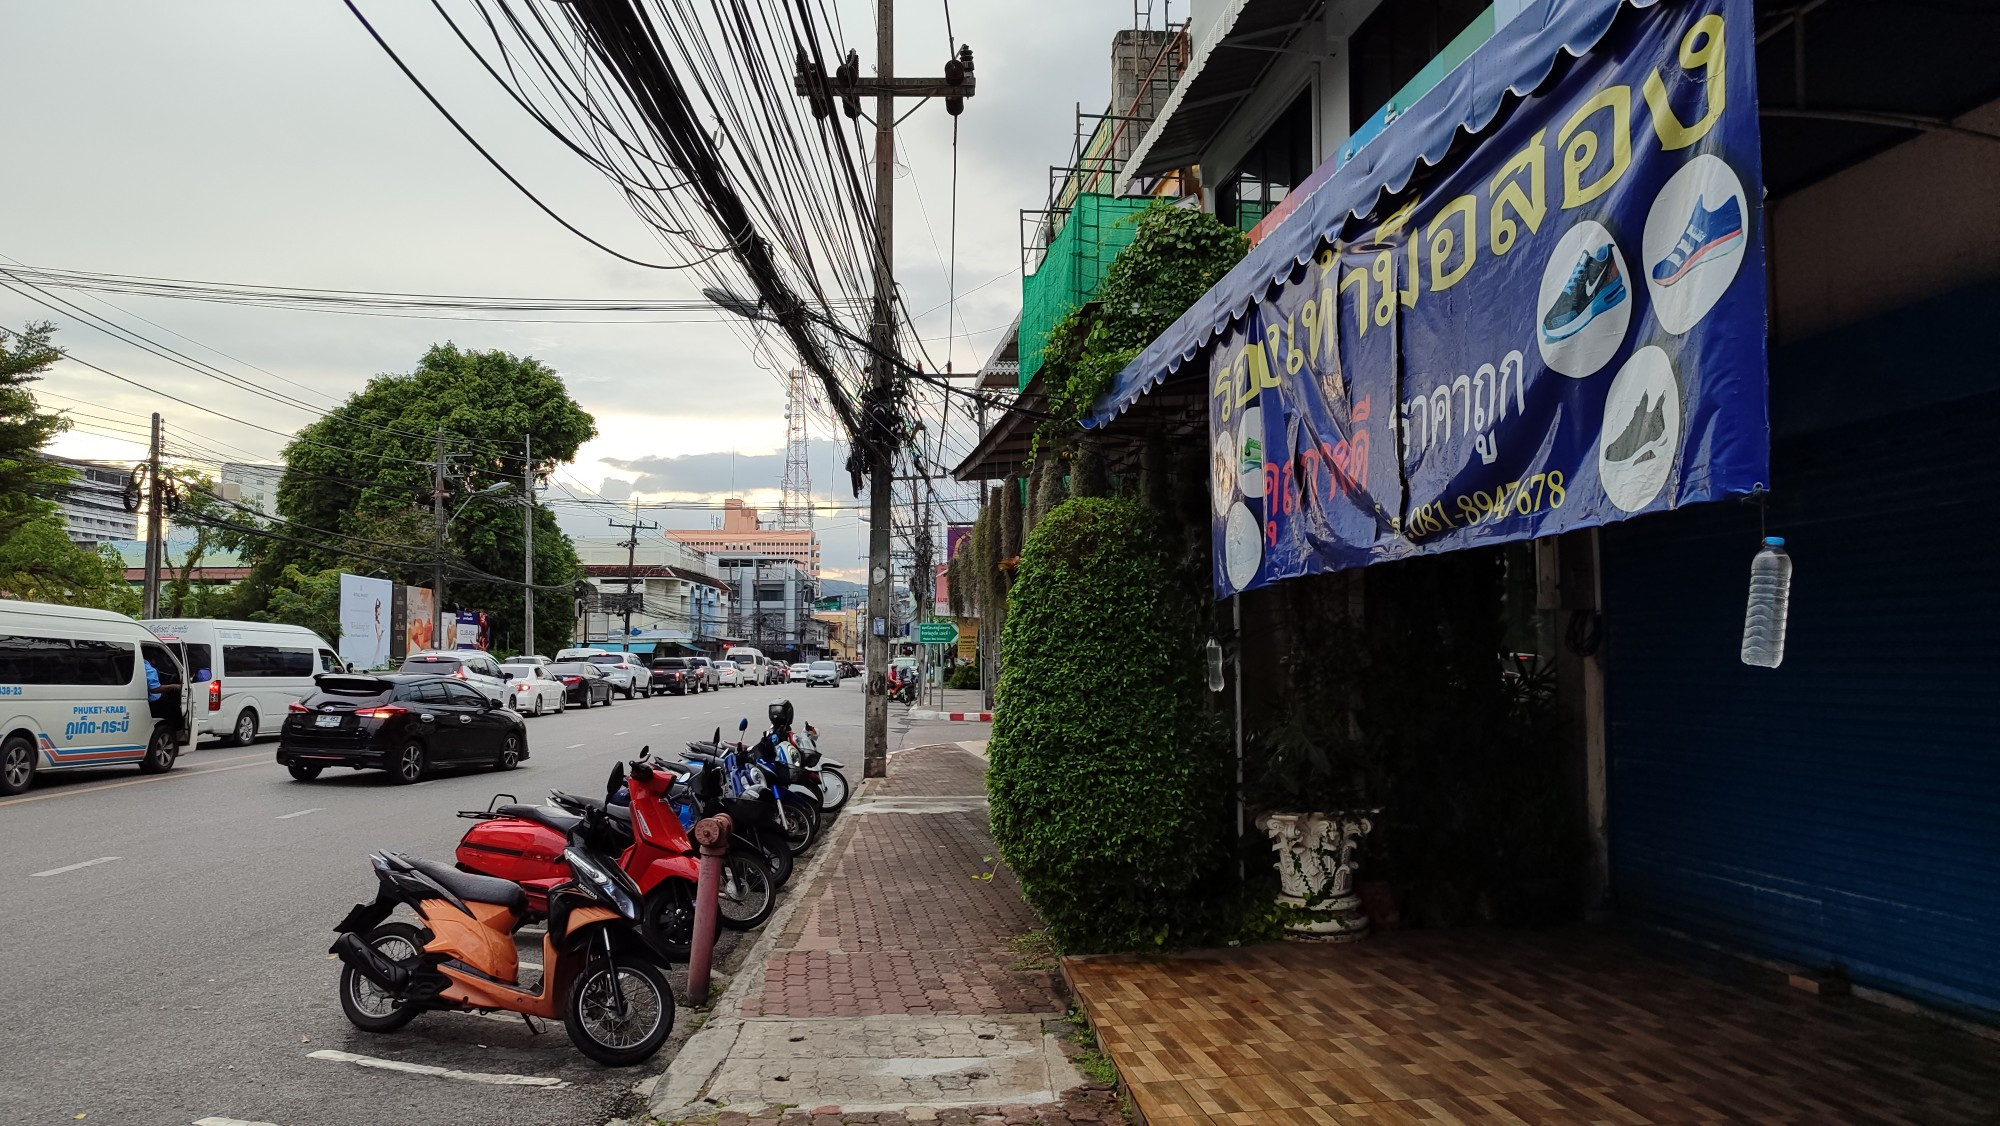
<point>1396,42</point>
<point>1279,160</point>
<point>770,592</point>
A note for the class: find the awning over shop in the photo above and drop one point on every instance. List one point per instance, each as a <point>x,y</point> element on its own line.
<point>1003,450</point>
<point>1516,61</point>
<point>1535,303</point>
<point>1228,63</point>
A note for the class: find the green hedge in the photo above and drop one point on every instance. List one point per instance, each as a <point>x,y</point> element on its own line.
<point>964,676</point>
<point>1109,787</point>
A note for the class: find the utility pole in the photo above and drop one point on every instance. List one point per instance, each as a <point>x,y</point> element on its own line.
<point>437,548</point>
<point>631,546</point>
<point>878,433</point>
<point>528,542</point>
<point>154,496</point>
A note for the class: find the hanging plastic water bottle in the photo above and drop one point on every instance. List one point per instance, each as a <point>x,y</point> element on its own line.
<point>1770,595</point>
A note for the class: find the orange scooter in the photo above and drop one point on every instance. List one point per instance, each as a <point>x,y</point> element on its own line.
<point>600,978</point>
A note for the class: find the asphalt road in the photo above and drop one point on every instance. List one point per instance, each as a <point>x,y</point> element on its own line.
<point>165,937</point>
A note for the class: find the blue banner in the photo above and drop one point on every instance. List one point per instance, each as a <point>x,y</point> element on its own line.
<point>1561,326</point>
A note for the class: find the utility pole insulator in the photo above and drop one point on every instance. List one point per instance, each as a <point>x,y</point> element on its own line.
<point>849,74</point>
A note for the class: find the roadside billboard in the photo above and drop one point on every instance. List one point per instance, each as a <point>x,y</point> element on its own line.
<point>419,604</point>
<point>367,616</point>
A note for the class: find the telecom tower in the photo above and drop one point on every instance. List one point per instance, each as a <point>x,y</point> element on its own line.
<point>795,508</point>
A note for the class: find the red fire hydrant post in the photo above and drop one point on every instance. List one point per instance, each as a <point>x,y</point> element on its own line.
<point>712,834</point>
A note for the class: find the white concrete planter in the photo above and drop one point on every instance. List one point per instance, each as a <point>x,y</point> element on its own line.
<point>1316,870</point>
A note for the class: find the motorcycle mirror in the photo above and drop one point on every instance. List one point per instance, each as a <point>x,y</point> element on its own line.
<point>617,779</point>
<point>718,736</point>
<point>646,751</point>
<point>743,724</point>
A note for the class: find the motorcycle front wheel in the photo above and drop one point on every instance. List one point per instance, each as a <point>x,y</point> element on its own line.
<point>767,847</point>
<point>370,1007</point>
<point>801,824</point>
<point>619,1014</point>
<point>833,789</point>
<point>748,894</point>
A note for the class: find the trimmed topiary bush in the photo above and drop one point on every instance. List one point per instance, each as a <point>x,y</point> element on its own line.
<point>1109,777</point>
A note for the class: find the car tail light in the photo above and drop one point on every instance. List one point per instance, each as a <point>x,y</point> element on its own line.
<point>572,680</point>
<point>383,712</point>
<point>297,708</point>
<point>459,672</point>
<point>215,695</point>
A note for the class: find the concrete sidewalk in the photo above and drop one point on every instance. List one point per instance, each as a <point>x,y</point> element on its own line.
<point>886,991</point>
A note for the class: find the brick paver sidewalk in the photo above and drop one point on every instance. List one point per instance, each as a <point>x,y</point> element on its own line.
<point>889,993</point>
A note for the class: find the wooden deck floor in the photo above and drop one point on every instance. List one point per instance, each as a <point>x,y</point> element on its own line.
<point>1484,1026</point>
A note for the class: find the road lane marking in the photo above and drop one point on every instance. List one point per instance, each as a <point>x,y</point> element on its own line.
<point>616,734</point>
<point>73,867</point>
<point>493,1078</point>
<point>300,813</point>
<point>262,758</point>
<point>574,746</point>
<point>213,1120</point>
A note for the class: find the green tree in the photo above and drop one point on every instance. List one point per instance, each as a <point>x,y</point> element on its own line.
<point>25,474</point>
<point>358,483</point>
<point>1110,798</point>
<point>306,598</point>
<point>40,563</point>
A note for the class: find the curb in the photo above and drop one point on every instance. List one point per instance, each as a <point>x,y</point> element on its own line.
<point>953,717</point>
<point>677,1091</point>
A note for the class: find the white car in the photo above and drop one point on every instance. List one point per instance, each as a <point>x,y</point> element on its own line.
<point>732,677</point>
<point>800,670</point>
<point>628,672</point>
<point>472,666</point>
<point>531,691</point>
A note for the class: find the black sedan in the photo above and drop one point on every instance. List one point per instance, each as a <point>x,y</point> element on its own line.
<point>404,723</point>
<point>673,674</point>
<point>583,683</point>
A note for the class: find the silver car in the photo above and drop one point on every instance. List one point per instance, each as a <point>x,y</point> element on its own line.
<point>823,672</point>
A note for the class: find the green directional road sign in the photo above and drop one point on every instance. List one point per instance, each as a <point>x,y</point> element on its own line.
<point>937,633</point>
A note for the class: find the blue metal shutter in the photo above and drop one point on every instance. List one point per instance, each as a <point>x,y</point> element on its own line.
<point>1844,809</point>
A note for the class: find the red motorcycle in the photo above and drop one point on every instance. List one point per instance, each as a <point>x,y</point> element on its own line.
<point>525,844</point>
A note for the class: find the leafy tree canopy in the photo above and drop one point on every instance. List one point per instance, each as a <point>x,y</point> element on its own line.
<point>357,487</point>
<point>40,563</point>
<point>25,428</point>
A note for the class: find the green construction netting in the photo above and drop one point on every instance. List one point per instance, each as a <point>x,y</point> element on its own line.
<point>1096,229</point>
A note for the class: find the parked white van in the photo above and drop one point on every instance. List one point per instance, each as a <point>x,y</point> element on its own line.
<point>73,693</point>
<point>247,673</point>
<point>751,662</point>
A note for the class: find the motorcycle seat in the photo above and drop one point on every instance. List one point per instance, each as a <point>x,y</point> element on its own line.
<point>540,815</point>
<point>471,888</point>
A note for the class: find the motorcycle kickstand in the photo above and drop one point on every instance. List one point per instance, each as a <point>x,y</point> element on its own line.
<point>534,1026</point>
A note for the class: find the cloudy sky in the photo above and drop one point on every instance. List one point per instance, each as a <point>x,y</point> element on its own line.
<point>269,142</point>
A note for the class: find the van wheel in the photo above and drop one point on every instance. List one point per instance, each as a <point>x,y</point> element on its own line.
<point>160,756</point>
<point>245,731</point>
<point>17,764</point>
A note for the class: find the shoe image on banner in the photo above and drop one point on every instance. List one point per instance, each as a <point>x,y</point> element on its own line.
<point>1709,236</point>
<point>1223,459</point>
<point>1695,234</point>
<point>1642,430</point>
<point>1585,301</point>
<point>1242,546</point>
<point>1250,452</point>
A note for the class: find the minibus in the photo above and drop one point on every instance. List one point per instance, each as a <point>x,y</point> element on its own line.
<point>247,674</point>
<point>74,694</point>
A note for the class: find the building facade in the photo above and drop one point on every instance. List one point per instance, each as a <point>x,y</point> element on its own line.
<point>258,484</point>
<point>677,603</point>
<point>772,607</point>
<point>744,534</point>
<point>1835,813</point>
<point>93,503</point>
